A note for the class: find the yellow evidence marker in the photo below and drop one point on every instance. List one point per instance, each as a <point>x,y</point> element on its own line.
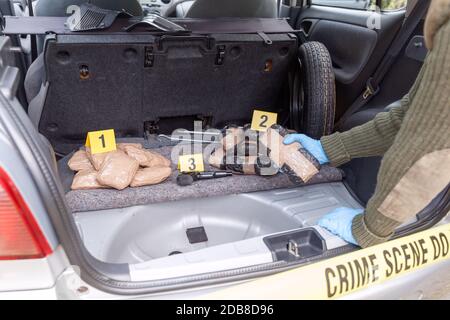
<point>101,141</point>
<point>191,163</point>
<point>263,120</point>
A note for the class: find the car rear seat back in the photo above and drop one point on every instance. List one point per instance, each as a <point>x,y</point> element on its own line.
<point>233,8</point>
<point>219,79</point>
<point>183,8</point>
<point>365,115</point>
<point>61,8</point>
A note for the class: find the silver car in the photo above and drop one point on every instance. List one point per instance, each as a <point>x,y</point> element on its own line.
<point>256,244</point>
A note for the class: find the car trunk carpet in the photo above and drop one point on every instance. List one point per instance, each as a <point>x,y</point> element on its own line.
<point>99,199</point>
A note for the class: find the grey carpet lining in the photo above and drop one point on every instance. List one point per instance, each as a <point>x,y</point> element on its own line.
<point>88,200</point>
<point>220,92</point>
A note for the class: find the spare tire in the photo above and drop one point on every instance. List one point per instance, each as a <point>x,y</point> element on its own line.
<point>313,100</point>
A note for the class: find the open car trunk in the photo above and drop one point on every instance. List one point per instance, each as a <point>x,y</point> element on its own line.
<point>167,230</point>
<point>194,236</point>
<point>157,222</point>
<point>144,86</point>
<point>147,239</point>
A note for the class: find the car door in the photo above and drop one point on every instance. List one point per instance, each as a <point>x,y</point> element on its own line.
<point>11,8</point>
<point>358,34</point>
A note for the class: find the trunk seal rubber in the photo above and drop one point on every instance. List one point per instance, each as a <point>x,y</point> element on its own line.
<point>52,197</point>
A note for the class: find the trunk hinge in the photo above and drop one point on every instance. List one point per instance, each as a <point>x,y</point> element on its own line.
<point>265,37</point>
<point>149,58</point>
<point>220,58</point>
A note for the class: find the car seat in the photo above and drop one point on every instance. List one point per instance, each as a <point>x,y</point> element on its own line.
<point>183,8</point>
<point>59,8</point>
<point>233,8</point>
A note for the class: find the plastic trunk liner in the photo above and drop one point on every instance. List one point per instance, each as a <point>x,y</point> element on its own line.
<point>171,230</point>
<point>88,200</point>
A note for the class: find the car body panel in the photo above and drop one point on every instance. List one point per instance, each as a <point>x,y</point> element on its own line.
<point>13,163</point>
<point>336,277</point>
<point>53,277</point>
<point>307,282</point>
<point>32,274</point>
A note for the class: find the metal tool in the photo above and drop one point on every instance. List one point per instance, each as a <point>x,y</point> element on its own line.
<point>175,139</point>
<point>188,178</point>
<point>293,248</point>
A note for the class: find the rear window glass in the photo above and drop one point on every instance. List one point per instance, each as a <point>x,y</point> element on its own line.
<point>393,4</point>
<point>386,5</point>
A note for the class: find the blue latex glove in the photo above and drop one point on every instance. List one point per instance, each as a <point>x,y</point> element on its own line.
<point>339,222</point>
<point>313,146</point>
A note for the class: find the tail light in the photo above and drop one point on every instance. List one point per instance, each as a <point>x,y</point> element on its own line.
<point>20,235</point>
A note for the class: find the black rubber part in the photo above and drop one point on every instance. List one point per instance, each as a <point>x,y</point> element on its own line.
<point>246,148</point>
<point>319,93</point>
<point>263,162</point>
<point>281,130</point>
<point>185,180</point>
<point>196,235</point>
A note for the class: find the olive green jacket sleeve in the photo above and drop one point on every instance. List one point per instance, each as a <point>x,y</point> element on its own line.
<point>373,138</point>
<point>416,168</point>
<point>370,139</point>
<point>414,140</point>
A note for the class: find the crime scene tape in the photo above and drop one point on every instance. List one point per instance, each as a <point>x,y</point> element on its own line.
<point>338,276</point>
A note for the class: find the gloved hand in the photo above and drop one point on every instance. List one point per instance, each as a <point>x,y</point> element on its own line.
<point>313,146</point>
<point>339,222</point>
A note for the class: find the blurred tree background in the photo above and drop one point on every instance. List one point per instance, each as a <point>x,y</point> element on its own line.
<point>393,4</point>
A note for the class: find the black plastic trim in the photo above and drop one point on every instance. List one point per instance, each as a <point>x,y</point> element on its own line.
<point>310,244</point>
<point>107,280</point>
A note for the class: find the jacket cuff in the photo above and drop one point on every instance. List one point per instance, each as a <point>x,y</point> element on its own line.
<point>335,149</point>
<point>364,234</point>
